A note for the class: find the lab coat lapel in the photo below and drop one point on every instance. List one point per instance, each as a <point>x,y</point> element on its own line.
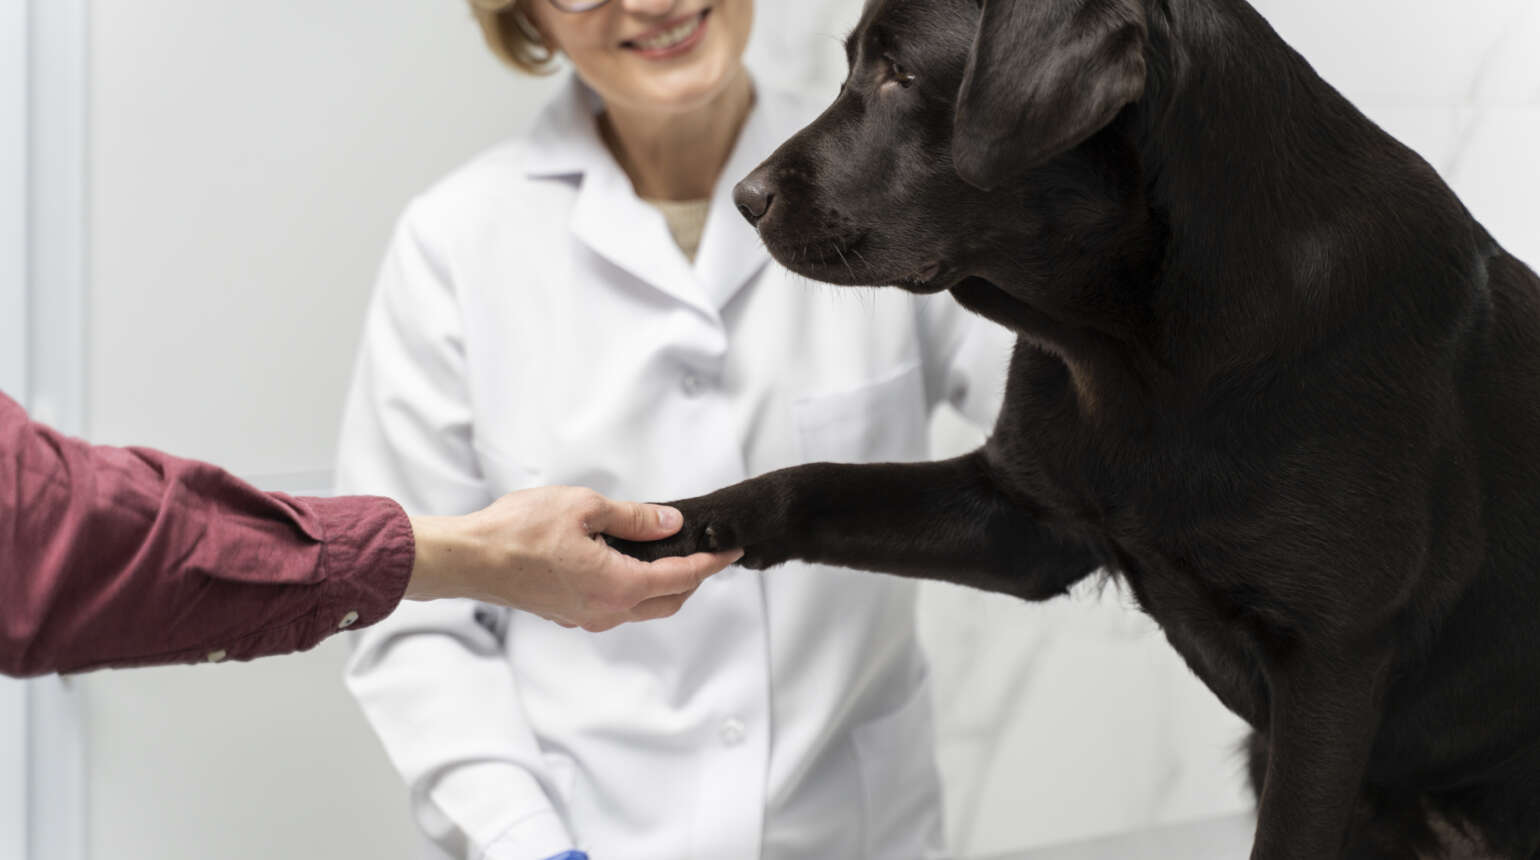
<point>731,254</point>
<point>619,226</point>
<point>608,216</point>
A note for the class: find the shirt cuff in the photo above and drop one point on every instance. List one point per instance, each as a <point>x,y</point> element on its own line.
<point>537,836</point>
<point>369,554</point>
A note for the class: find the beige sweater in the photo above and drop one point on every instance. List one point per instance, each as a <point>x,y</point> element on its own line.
<point>686,220</point>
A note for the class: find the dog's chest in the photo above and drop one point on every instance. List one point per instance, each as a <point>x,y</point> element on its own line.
<point>1215,632</point>
<point>1126,487</point>
<point>1158,514</point>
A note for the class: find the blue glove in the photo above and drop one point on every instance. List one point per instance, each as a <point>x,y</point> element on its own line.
<point>569,855</point>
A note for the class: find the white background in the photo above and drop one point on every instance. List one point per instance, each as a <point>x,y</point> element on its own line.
<point>13,374</point>
<point>13,197</point>
<point>245,163</point>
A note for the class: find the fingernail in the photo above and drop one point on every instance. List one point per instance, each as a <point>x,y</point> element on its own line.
<point>669,518</point>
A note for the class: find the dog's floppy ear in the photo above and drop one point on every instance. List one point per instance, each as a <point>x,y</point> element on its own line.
<point>1043,76</point>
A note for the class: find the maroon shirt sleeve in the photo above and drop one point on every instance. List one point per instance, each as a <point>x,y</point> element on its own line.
<point>128,557</point>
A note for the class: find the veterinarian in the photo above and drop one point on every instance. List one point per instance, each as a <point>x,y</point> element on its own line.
<point>584,305</point>
<point>115,557</point>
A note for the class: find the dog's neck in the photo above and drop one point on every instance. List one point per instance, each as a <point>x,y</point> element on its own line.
<point>1109,381</point>
<point>1090,309</point>
<point>1073,276</point>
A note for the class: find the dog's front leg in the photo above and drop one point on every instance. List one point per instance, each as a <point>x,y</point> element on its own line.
<point>1325,712</point>
<point>940,520</point>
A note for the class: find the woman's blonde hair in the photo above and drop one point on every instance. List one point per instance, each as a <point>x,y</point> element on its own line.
<point>512,36</point>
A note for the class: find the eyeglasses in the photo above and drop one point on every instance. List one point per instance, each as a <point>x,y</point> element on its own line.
<point>578,5</point>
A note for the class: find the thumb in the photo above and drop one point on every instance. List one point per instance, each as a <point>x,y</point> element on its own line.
<point>638,522</point>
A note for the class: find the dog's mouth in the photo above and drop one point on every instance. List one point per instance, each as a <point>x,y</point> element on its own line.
<point>845,261</point>
<point>928,278</point>
<point>833,259</point>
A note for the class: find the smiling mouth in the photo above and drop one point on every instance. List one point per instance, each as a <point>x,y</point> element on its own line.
<point>671,39</point>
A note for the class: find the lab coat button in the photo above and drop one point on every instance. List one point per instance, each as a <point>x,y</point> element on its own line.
<point>693,385</point>
<point>347,621</point>
<point>734,732</point>
<point>217,656</point>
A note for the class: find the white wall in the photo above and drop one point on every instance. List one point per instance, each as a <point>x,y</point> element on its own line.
<point>247,160</point>
<point>13,198</point>
<point>243,762</point>
<point>13,354</point>
<point>1458,82</point>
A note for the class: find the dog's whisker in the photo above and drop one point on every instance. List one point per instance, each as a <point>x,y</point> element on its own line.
<point>845,261</point>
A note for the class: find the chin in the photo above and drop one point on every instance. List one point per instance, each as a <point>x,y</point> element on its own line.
<point>697,92</point>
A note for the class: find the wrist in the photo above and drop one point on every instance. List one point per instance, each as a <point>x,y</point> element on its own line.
<point>441,555</point>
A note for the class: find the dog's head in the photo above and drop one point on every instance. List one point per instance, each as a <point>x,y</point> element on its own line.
<point>964,129</point>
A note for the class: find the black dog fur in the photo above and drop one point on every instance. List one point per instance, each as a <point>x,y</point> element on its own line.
<point>1270,372</point>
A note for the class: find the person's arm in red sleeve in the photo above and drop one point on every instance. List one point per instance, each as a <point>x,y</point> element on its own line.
<point>125,556</point>
<point>113,557</point>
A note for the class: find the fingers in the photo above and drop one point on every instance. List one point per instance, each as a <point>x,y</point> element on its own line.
<point>647,610</point>
<point>667,584</point>
<point>660,607</point>
<point>676,575</point>
<point>636,521</point>
<point>601,626</point>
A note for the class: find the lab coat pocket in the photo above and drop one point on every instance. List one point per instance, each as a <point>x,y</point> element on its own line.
<point>880,422</point>
<point>502,474</point>
<point>900,784</point>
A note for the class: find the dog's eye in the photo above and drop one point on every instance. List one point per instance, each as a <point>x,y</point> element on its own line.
<point>898,74</point>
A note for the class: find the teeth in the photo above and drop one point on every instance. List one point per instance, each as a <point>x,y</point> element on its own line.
<point>669,38</point>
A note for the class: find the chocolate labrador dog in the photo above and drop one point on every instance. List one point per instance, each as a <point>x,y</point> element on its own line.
<point>1269,372</point>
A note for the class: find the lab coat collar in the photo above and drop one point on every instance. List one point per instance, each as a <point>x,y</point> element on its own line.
<point>731,253</point>
<point>616,224</point>
<point>564,140</point>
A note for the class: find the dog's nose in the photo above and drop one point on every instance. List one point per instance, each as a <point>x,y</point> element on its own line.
<point>753,196</point>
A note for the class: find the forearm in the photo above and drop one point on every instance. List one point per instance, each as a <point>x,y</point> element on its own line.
<point>127,557</point>
<point>941,520</point>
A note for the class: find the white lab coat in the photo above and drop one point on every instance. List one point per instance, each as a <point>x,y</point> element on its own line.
<point>535,324</point>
